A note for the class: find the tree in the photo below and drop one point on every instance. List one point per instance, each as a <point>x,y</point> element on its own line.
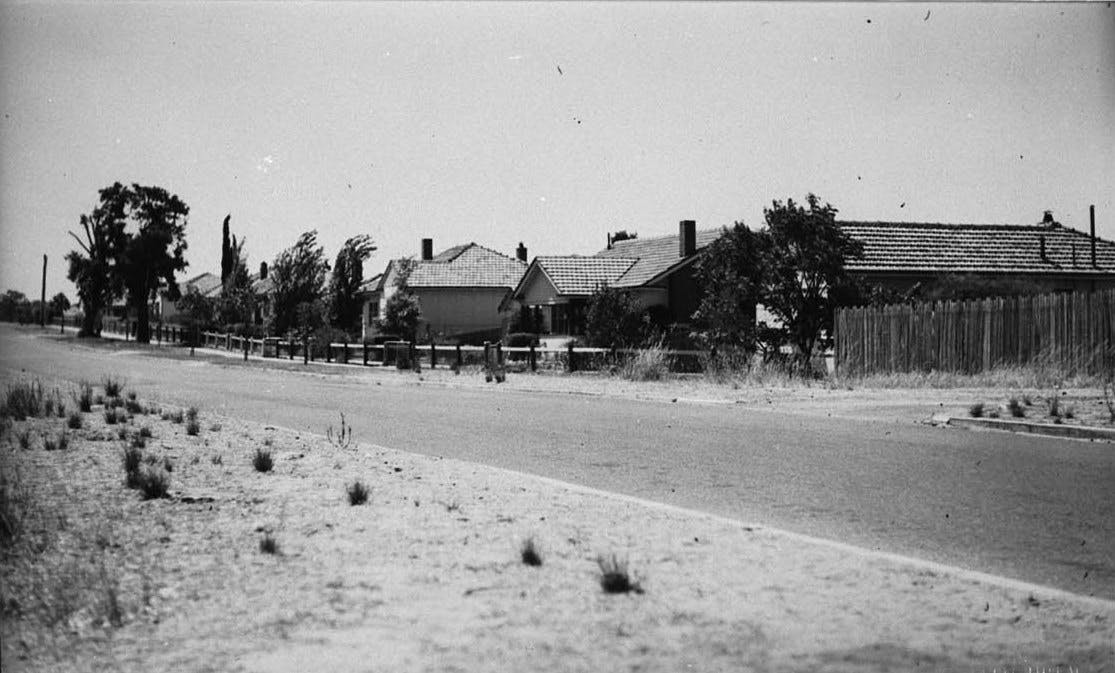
<point>95,272</point>
<point>614,319</point>
<point>345,304</point>
<point>402,312</point>
<point>299,275</point>
<point>624,235</point>
<point>226,250</point>
<point>59,303</point>
<point>730,276</point>
<point>803,270</point>
<point>236,305</point>
<point>13,304</point>
<point>153,253</point>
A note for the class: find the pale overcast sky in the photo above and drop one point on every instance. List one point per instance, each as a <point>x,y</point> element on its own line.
<point>549,124</point>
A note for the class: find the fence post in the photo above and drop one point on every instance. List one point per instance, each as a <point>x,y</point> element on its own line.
<point>247,344</point>
<point>533,357</point>
<point>433,355</point>
<point>328,351</point>
<point>571,366</point>
<point>499,353</point>
<point>305,350</point>
<point>365,353</point>
<point>460,360</point>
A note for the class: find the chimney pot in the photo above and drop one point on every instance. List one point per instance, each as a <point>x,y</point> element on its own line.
<point>687,238</point>
<point>427,249</point>
<point>1047,218</point>
<point>521,252</point>
<point>263,270</point>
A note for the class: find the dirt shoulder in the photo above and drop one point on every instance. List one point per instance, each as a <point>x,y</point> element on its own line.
<point>426,575</point>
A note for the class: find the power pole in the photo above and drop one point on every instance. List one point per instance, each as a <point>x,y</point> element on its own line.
<point>42,298</point>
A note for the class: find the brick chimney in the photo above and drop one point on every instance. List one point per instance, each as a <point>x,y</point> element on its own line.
<point>427,249</point>
<point>263,270</point>
<point>687,238</point>
<point>521,252</point>
<point>1047,219</point>
<point>1041,247</point>
<point>1092,217</point>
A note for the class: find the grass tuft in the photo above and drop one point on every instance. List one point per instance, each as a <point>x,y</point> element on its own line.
<point>24,438</point>
<point>357,493</point>
<point>60,444</point>
<point>529,553</point>
<point>268,544</point>
<point>191,413</point>
<point>134,407</point>
<point>74,421</point>
<point>112,386</point>
<point>24,400</point>
<point>84,397</point>
<point>1016,409</point>
<point>614,577</point>
<point>262,461</point>
<point>173,416</point>
<point>155,484</point>
<point>193,427</point>
<point>976,410</point>
<point>138,441</point>
<point>649,364</point>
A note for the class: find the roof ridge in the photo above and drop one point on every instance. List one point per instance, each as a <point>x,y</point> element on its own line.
<point>946,225</point>
<point>497,252</point>
<point>658,238</point>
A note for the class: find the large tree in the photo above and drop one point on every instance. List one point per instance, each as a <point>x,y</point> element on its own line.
<point>93,269</point>
<point>345,303</point>
<point>236,305</point>
<point>59,303</point>
<point>299,274</point>
<point>803,270</point>
<point>153,252</point>
<point>615,319</point>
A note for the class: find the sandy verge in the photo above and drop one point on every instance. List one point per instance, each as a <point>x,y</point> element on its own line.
<point>426,575</point>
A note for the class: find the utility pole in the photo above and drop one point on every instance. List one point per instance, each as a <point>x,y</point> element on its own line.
<point>42,298</point>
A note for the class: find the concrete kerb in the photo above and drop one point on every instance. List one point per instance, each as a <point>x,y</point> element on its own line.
<point>1048,429</point>
<point>1036,590</point>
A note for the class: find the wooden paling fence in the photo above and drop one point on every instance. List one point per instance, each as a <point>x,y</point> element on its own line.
<point>1069,331</point>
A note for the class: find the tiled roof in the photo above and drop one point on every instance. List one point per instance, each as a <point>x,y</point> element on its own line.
<point>468,265</point>
<point>373,284</point>
<point>261,286</point>
<point>974,248</point>
<point>206,283</point>
<point>573,275</point>
<point>652,256</point>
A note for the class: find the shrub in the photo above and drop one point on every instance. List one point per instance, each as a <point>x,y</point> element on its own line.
<point>112,386</point>
<point>110,417</point>
<point>134,407</point>
<point>74,421</point>
<point>138,441</point>
<point>191,413</point>
<point>1070,412</point>
<point>99,399</point>
<point>614,578</point>
<point>132,396</point>
<point>122,433</point>
<point>24,438</point>
<point>145,432</point>
<point>268,544</point>
<point>173,416</point>
<point>1016,409</point>
<point>24,400</point>
<point>976,410</point>
<point>522,339</point>
<point>115,402</point>
<point>529,553</point>
<point>1055,405</point>
<point>15,501</point>
<point>84,397</point>
<point>357,493</point>
<point>262,461</point>
<point>193,427</point>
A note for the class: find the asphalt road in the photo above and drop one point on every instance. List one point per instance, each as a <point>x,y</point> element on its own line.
<point>1030,508</point>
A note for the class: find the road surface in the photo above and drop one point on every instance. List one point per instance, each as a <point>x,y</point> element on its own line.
<point>1031,508</point>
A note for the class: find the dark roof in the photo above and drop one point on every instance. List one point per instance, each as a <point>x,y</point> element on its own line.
<point>574,275</point>
<point>653,256</point>
<point>976,248</point>
<point>468,265</point>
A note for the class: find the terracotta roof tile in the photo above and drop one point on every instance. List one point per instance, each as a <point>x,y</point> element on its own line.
<point>575,275</point>
<point>468,265</point>
<point>974,248</point>
<point>652,255</point>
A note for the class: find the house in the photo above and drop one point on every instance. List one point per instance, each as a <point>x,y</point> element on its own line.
<point>165,310</point>
<point>901,255</point>
<point>658,272</point>
<point>263,287</point>
<point>460,290</point>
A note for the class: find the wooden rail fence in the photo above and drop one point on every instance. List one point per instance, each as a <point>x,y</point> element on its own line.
<point>1070,331</point>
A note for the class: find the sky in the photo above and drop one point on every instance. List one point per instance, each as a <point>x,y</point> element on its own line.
<point>550,124</point>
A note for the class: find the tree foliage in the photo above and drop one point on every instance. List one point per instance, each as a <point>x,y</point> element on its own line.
<point>93,268</point>
<point>401,315</point>
<point>298,274</point>
<point>345,303</point>
<point>624,235</point>
<point>730,275</point>
<point>803,271</point>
